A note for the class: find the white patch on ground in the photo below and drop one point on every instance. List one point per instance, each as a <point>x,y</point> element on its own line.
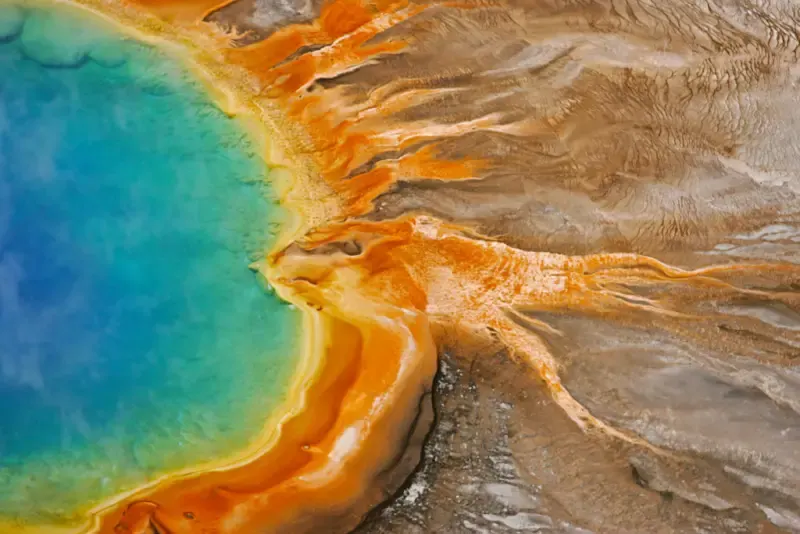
<point>782,518</point>
<point>475,528</point>
<point>510,495</point>
<point>522,521</point>
<point>414,492</point>
<point>772,232</point>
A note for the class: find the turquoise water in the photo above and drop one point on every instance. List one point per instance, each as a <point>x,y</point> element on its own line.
<point>133,337</point>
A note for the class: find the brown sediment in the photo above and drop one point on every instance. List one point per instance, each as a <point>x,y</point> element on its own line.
<point>433,150</point>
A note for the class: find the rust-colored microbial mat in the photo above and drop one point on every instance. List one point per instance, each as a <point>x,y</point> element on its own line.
<point>583,213</point>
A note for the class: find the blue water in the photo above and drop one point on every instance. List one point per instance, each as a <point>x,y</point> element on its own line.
<point>133,337</point>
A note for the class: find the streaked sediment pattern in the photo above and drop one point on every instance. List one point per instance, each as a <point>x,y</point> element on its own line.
<point>590,206</point>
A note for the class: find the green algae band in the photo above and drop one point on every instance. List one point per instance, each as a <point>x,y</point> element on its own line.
<point>134,340</point>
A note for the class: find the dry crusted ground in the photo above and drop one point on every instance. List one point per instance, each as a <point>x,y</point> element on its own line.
<point>667,128</point>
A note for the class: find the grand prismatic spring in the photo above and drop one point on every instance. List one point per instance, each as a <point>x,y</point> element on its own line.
<point>394,266</point>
